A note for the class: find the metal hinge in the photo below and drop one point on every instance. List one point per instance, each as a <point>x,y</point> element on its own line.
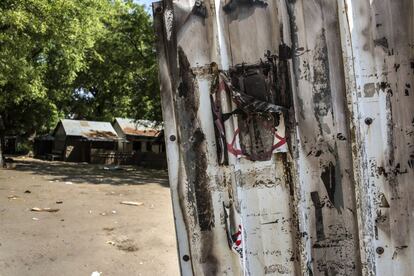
<point>200,9</point>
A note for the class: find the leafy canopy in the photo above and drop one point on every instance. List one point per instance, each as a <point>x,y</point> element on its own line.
<point>91,59</point>
<point>121,78</point>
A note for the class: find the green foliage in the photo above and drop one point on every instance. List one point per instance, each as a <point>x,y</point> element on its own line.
<point>24,147</point>
<point>91,59</point>
<point>121,76</point>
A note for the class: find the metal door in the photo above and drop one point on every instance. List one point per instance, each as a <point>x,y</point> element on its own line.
<point>289,132</point>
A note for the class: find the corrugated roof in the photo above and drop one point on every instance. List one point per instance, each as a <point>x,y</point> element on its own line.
<point>89,129</point>
<point>140,127</point>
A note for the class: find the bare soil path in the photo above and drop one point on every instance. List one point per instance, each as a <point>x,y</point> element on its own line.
<point>91,231</point>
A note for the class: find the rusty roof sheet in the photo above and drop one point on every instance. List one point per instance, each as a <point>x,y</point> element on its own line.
<point>144,128</point>
<point>89,129</point>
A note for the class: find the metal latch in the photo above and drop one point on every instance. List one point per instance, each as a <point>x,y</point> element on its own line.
<point>200,9</point>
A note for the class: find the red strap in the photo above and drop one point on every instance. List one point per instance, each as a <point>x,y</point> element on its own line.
<point>231,148</point>
<point>282,140</point>
<point>223,86</point>
<point>236,152</point>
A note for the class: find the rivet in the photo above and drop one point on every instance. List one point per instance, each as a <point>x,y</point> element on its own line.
<point>186,258</point>
<point>368,120</point>
<point>158,9</point>
<point>172,138</point>
<point>380,250</point>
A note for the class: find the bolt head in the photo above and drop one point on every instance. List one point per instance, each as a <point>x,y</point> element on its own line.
<point>379,250</point>
<point>368,120</point>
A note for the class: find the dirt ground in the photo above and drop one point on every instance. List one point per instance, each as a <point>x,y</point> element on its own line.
<point>91,231</point>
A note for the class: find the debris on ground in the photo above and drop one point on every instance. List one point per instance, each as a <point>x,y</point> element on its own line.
<point>9,160</point>
<point>51,210</point>
<point>109,229</point>
<point>96,273</point>
<point>59,202</point>
<point>68,183</point>
<point>127,245</point>
<point>27,192</point>
<point>11,197</point>
<point>115,168</point>
<point>133,203</point>
<point>35,219</point>
<point>110,242</point>
<point>8,165</point>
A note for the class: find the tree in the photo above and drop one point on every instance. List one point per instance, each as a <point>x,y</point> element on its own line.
<point>91,59</point>
<point>42,47</point>
<point>121,78</point>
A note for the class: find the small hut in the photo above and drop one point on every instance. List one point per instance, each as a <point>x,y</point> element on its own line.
<point>144,139</point>
<point>43,146</point>
<point>85,141</point>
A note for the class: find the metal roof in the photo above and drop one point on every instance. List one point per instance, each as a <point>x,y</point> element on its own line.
<point>45,137</point>
<point>90,130</point>
<point>140,127</point>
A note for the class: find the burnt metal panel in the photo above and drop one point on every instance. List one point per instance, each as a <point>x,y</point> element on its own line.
<point>289,134</point>
<point>323,156</point>
<point>378,37</point>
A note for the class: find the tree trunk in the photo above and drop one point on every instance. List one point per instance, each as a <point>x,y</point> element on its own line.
<point>2,143</point>
<point>2,163</point>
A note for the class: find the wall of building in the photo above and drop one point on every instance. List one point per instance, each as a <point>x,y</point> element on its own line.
<point>60,139</point>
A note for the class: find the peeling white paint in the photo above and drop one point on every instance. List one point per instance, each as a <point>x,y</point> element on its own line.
<point>337,200</point>
<point>168,19</point>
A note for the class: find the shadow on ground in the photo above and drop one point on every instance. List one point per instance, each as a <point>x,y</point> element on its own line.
<point>92,173</point>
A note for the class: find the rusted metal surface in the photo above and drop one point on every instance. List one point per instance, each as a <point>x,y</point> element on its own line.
<point>143,128</point>
<point>289,134</point>
<point>90,130</point>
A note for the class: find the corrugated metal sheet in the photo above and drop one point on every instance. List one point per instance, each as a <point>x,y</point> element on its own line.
<point>89,129</point>
<point>144,128</point>
<point>337,199</point>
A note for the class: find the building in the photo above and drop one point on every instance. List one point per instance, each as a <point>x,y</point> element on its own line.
<point>10,144</point>
<point>43,146</point>
<point>85,141</point>
<point>144,139</point>
<point>139,135</point>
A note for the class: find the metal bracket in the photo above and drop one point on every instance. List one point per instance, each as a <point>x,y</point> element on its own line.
<point>285,52</point>
<point>200,9</point>
<point>231,6</point>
